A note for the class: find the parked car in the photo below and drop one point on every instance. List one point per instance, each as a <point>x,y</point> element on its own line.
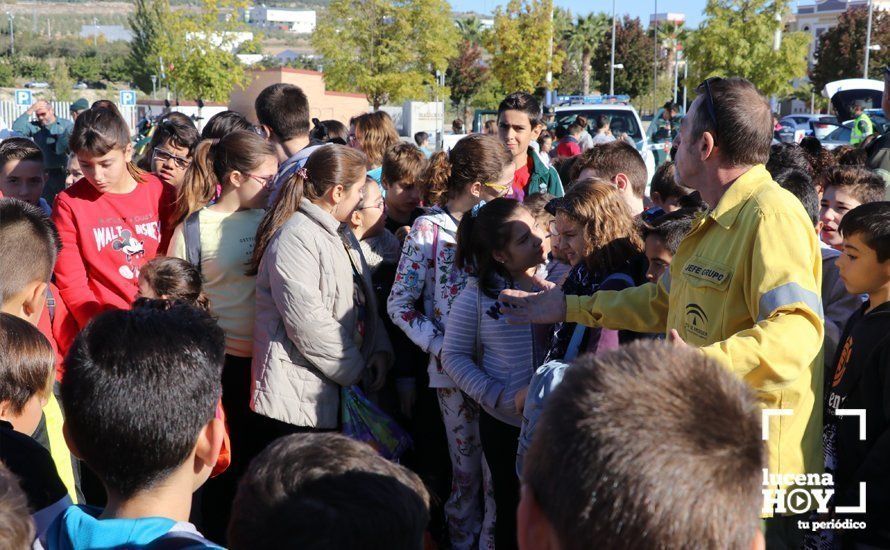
<point>35,84</point>
<point>80,86</point>
<point>839,136</point>
<point>625,119</point>
<point>809,125</point>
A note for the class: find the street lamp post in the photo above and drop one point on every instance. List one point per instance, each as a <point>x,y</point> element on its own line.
<point>11,35</point>
<point>655,65</point>
<point>676,72</point>
<point>867,40</point>
<point>685,78</point>
<point>154,89</point>
<point>612,66</point>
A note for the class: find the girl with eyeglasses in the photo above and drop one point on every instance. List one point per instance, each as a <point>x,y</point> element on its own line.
<point>218,239</point>
<point>478,168</point>
<point>169,153</point>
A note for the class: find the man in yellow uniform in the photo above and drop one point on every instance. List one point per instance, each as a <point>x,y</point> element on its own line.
<point>743,287</point>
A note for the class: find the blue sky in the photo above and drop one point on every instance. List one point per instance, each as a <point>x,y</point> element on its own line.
<point>636,8</point>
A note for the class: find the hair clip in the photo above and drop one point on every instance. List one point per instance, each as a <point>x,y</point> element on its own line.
<point>475,211</point>
<point>303,173</point>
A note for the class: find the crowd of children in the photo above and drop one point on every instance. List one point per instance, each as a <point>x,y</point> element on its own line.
<point>179,333</point>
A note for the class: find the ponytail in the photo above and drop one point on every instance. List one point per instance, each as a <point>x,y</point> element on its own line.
<point>437,175</point>
<point>213,161</point>
<point>479,235</point>
<point>325,168</point>
<point>198,184</point>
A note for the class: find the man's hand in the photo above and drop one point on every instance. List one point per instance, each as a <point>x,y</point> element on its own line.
<point>547,306</point>
<point>376,372</point>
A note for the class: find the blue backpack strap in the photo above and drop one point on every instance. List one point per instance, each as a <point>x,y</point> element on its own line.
<point>180,540</point>
<point>192,235</point>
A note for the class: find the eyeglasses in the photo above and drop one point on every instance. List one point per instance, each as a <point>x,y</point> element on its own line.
<point>553,231</point>
<point>164,155</point>
<point>709,101</point>
<point>265,181</point>
<point>379,204</point>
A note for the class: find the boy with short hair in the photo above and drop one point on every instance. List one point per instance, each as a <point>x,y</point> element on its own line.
<point>569,146</point>
<point>140,397</point>
<point>29,245</point>
<point>843,189</point>
<point>617,428</point>
<point>422,139</point>
<point>857,453</point>
<point>403,168</point>
<point>662,237</point>
<point>519,124</point>
<point>26,369</point>
<point>320,491</point>
<point>22,175</point>
<point>664,191</point>
<point>283,112</point>
<point>837,303</point>
<point>620,163</point>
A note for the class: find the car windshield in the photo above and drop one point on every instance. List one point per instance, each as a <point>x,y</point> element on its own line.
<point>841,133</point>
<point>623,121</point>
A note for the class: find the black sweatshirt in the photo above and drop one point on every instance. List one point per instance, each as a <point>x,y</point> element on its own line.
<point>861,380</point>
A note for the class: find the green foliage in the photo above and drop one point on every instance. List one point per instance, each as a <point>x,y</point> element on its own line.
<point>86,68</point>
<point>388,50</point>
<point>466,75</point>
<point>519,45</point>
<point>583,38</point>
<point>471,30</point>
<point>252,46</point>
<point>736,39</point>
<point>840,52</point>
<point>60,82</point>
<point>115,69</point>
<point>148,25</point>
<point>31,68</point>
<point>634,48</point>
<point>7,75</point>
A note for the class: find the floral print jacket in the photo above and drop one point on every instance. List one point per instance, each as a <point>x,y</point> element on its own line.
<point>425,287</point>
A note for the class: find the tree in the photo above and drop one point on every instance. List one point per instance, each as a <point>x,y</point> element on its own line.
<point>736,39</point>
<point>633,49</point>
<point>148,24</point>
<point>388,50</point>
<point>198,47</point>
<point>60,82</point>
<point>465,77</point>
<point>671,36</point>
<point>840,52</point>
<point>519,45</point>
<point>86,68</point>
<point>7,75</point>
<point>252,46</point>
<point>471,29</point>
<point>583,38</point>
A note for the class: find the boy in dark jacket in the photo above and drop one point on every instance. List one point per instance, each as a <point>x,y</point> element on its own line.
<point>861,378</point>
<point>519,124</point>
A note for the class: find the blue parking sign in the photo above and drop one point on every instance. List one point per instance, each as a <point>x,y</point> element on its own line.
<point>127,98</point>
<point>23,97</point>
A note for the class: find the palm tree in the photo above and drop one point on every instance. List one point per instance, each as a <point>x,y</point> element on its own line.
<point>671,36</point>
<point>583,38</point>
<point>471,29</point>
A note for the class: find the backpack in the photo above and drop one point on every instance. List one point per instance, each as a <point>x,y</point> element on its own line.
<point>191,232</point>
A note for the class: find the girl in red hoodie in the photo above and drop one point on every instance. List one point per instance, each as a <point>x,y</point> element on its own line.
<point>110,222</point>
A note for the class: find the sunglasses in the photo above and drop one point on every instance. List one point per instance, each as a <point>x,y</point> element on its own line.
<point>164,155</point>
<point>709,101</point>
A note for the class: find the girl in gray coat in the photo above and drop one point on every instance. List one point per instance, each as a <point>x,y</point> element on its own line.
<point>317,326</point>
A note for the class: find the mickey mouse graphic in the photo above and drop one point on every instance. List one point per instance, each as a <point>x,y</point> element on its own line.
<point>133,249</point>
